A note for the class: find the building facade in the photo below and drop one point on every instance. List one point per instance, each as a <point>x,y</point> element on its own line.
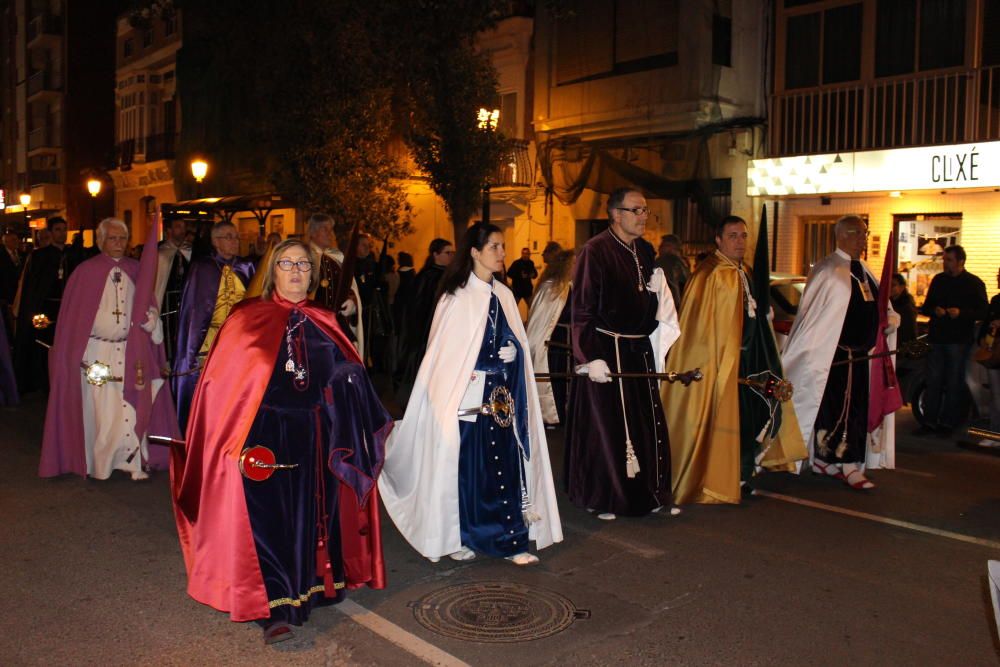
<point>889,111</point>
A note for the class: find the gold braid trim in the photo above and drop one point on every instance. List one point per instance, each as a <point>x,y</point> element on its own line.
<point>297,602</point>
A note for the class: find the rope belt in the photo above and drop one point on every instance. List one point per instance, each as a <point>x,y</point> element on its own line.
<point>631,462</point>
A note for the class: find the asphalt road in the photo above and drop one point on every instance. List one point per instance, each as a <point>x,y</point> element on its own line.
<point>93,576</point>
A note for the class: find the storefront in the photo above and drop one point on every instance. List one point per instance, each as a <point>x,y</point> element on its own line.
<point>931,197</point>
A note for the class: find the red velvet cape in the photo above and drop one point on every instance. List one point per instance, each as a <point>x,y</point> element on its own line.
<point>207,488</point>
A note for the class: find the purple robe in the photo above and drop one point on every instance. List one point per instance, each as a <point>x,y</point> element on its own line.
<point>63,446</point>
<point>197,305</point>
<point>606,296</point>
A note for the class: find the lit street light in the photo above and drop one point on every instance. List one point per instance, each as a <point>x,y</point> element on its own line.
<point>94,188</point>
<point>199,169</point>
<point>25,200</point>
<point>488,121</point>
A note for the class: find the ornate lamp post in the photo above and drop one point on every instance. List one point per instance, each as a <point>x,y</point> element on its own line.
<point>199,169</point>
<point>488,121</point>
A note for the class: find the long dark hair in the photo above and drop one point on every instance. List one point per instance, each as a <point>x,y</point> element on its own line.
<point>457,273</point>
<point>437,245</point>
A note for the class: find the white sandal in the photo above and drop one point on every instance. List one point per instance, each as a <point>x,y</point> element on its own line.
<point>523,558</point>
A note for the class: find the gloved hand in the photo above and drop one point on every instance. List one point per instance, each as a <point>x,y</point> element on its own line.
<point>349,308</point>
<point>657,281</point>
<point>598,371</point>
<point>152,319</point>
<point>508,353</point>
<point>893,322</point>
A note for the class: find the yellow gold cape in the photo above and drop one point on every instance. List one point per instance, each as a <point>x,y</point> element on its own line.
<point>704,419</point>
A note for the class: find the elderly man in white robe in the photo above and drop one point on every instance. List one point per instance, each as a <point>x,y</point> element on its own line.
<point>97,380</point>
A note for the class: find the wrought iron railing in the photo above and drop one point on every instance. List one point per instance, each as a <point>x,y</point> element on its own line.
<point>957,106</point>
<point>42,137</point>
<point>515,167</point>
<point>44,24</point>
<point>43,80</point>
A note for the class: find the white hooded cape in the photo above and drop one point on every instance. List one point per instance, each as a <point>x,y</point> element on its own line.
<point>809,350</point>
<point>419,481</point>
<point>546,307</point>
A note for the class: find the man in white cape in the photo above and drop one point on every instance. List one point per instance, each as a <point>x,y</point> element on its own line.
<point>810,351</point>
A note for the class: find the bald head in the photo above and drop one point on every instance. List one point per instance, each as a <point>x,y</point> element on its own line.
<point>852,235</point>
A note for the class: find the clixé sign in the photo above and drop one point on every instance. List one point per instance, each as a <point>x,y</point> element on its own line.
<point>956,166</point>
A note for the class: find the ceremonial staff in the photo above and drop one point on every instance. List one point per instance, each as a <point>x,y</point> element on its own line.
<point>914,349</point>
<point>685,378</point>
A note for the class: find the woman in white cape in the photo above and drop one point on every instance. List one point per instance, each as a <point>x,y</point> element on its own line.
<point>455,486</point>
<point>546,307</point>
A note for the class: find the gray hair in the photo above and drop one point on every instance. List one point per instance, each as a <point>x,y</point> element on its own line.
<point>317,220</point>
<point>105,225</point>
<point>840,228</point>
<point>219,228</point>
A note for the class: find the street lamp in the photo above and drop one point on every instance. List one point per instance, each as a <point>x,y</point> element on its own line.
<point>488,121</point>
<point>199,169</point>
<point>25,200</point>
<point>94,188</point>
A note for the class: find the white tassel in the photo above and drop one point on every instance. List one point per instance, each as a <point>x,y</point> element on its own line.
<point>631,462</point>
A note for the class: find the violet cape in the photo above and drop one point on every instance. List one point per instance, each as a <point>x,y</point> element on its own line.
<point>197,305</point>
<point>63,446</point>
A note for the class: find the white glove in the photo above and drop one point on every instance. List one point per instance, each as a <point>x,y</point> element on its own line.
<point>893,321</point>
<point>152,319</point>
<point>598,371</point>
<point>657,281</point>
<point>508,353</point>
<point>349,308</point>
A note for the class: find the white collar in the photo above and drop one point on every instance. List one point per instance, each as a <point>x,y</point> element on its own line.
<point>843,255</point>
<point>478,283</point>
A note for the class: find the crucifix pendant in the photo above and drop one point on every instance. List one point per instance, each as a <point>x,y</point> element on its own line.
<point>117,313</point>
<point>289,366</point>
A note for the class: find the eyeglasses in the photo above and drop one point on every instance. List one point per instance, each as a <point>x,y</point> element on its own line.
<point>229,237</point>
<point>638,210</point>
<point>852,232</point>
<point>302,265</point>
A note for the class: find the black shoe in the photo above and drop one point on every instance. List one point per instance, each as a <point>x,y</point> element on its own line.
<point>747,491</point>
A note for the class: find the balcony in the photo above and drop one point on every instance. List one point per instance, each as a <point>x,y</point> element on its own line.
<point>43,25</point>
<point>161,147</point>
<point>515,167</point>
<point>42,138</point>
<point>952,107</point>
<point>43,81</point>
<point>125,154</point>
<point>39,177</point>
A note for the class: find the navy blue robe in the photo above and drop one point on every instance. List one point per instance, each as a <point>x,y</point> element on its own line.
<point>490,471</point>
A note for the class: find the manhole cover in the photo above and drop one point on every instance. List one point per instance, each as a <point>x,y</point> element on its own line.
<point>495,612</point>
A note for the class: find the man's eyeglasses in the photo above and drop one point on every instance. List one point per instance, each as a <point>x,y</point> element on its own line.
<point>228,237</point>
<point>638,210</point>
<point>853,232</point>
<point>302,265</point>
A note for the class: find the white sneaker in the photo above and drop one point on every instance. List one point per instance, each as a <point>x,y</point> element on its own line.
<point>606,516</point>
<point>465,553</point>
<point>138,476</point>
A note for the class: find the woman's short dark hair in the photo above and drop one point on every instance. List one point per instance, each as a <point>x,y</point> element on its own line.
<point>405,259</point>
<point>457,273</point>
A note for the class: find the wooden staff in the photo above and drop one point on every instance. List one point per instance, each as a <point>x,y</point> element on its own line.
<point>685,378</point>
<point>911,350</point>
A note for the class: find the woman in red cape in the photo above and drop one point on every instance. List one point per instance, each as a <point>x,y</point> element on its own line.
<point>281,375</point>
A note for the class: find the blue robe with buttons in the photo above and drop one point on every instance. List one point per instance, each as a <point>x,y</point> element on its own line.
<point>490,465</point>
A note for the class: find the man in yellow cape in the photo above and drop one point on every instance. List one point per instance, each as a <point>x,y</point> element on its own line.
<point>721,430</point>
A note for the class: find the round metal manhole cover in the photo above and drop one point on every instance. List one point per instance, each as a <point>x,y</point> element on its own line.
<point>495,612</point>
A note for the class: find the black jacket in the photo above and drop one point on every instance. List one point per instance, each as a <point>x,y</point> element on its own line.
<point>965,292</point>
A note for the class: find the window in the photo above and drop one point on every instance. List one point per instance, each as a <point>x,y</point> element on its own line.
<point>147,38</point>
<point>842,44</point>
<point>170,26</point>
<point>802,39</point>
<point>141,78</point>
<point>601,39</point>
<point>722,40</point>
<point>168,76</point>
<point>823,47</point>
<point>919,34</point>
<point>508,115</point>
<point>127,48</point>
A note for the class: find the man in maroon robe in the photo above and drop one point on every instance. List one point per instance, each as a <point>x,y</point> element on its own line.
<point>617,452</point>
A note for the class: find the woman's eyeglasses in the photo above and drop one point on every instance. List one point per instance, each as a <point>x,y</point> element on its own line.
<point>302,265</point>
